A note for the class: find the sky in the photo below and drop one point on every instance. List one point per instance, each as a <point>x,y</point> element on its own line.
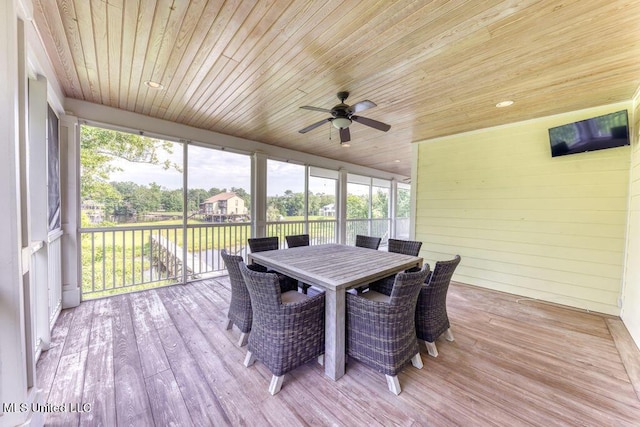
<point>210,168</point>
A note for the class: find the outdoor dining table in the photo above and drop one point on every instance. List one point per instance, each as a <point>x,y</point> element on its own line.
<point>335,268</point>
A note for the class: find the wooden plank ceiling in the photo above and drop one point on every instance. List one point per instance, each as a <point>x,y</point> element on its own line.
<point>433,68</point>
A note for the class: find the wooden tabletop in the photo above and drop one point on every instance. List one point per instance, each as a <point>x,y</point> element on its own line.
<point>335,266</point>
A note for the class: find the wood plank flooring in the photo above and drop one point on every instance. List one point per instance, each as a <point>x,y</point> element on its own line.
<point>163,357</point>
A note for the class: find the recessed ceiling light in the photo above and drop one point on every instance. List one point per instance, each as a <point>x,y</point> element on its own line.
<point>153,85</point>
<point>503,104</point>
<point>396,161</point>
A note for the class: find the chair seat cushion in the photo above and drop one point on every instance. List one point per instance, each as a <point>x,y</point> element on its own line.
<point>375,296</point>
<point>292,296</point>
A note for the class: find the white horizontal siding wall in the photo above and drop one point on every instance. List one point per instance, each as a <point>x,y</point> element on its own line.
<point>524,222</point>
<point>631,296</point>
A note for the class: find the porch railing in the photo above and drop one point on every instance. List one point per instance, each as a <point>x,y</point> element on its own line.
<point>131,258</point>
<point>368,227</point>
<point>402,228</point>
<point>320,231</point>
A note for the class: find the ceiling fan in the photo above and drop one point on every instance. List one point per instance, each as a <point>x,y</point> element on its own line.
<point>342,115</point>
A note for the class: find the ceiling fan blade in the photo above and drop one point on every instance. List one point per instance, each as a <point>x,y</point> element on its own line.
<point>372,123</point>
<point>315,125</point>
<point>362,105</point>
<point>324,110</point>
<point>345,135</point>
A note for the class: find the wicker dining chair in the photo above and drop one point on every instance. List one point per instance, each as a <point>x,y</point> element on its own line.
<point>405,247</point>
<point>368,242</point>
<point>288,328</point>
<point>380,329</point>
<point>261,244</point>
<point>297,240</point>
<point>240,312</point>
<point>431,309</point>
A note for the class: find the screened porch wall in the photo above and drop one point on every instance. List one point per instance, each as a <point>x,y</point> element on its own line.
<point>100,280</point>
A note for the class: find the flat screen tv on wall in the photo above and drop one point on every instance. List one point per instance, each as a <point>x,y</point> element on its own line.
<point>597,133</point>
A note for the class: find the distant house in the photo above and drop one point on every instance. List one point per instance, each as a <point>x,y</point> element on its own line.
<point>328,210</point>
<point>94,211</point>
<point>223,204</point>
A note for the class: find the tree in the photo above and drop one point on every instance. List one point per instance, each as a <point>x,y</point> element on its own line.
<point>126,205</point>
<point>195,196</point>
<point>214,190</point>
<point>171,200</point>
<point>294,203</point>
<point>357,207</point>
<point>380,204</point>
<point>291,204</point>
<point>404,204</point>
<point>273,214</point>
<point>100,147</point>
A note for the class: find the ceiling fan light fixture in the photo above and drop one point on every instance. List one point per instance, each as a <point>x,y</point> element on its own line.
<point>341,122</point>
<point>345,144</point>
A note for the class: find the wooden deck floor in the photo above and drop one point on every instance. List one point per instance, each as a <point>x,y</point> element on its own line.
<point>163,357</point>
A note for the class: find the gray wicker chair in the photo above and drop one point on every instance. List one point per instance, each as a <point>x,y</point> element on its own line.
<point>405,247</point>
<point>261,244</point>
<point>380,329</point>
<point>368,242</point>
<point>288,328</point>
<point>431,310</point>
<point>240,312</point>
<point>297,240</point>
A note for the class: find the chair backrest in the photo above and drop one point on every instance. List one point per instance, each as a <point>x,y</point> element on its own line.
<point>232,262</point>
<point>432,319</point>
<point>264,289</point>
<point>261,244</point>
<point>297,240</point>
<point>240,306</point>
<point>367,242</point>
<point>406,288</point>
<point>405,247</point>
<point>437,284</point>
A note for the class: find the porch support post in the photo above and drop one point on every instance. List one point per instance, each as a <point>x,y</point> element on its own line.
<point>341,206</point>
<point>259,195</point>
<point>70,186</point>
<point>414,179</point>
<point>306,200</point>
<point>393,207</point>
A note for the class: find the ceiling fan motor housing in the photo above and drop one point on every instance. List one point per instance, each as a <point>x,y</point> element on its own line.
<point>341,113</point>
<point>341,110</point>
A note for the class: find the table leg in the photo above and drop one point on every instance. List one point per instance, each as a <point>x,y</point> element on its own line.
<point>334,344</point>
